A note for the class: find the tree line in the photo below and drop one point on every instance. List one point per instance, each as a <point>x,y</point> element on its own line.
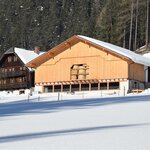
<point>29,23</point>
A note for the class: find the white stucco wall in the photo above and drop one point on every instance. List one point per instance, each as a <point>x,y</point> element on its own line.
<point>145,73</point>
<point>38,89</point>
<point>124,87</point>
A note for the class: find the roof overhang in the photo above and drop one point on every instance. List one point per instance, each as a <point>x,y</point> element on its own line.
<point>72,41</point>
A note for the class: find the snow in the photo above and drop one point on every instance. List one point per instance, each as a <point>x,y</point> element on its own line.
<point>79,123</point>
<point>147,55</point>
<point>26,55</point>
<point>119,50</point>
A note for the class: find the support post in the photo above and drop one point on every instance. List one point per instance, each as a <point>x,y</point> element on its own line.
<point>89,86</point>
<point>61,87</point>
<point>79,86</point>
<point>107,85</point>
<point>58,96</point>
<point>53,88</point>
<point>98,85</point>
<point>70,88</point>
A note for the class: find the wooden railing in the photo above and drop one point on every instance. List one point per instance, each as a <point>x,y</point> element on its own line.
<point>14,86</point>
<point>11,74</point>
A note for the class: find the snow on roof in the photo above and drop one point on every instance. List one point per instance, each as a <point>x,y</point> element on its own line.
<point>119,50</point>
<point>26,55</point>
<point>147,55</point>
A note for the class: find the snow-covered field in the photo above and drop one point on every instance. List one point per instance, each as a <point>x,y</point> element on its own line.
<point>44,123</point>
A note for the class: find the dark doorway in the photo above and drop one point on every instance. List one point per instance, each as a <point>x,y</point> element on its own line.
<point>57,88</point>
<point>66,88</point>
<point>74,87</point>
<point>84,87</point>
<point>94,86</point>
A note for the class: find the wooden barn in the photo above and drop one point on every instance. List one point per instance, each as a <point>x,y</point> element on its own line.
<point>84,64</point>
<point>14,75</point>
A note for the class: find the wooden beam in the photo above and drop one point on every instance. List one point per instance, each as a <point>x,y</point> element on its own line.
<point>80,87</point>
<point>70,88</point>
<point>50,54</point>
<point>107,85</point>
<point>89,86</point>
<point>53,88</point>
<point>67,44</point>
<point>61,87</point>
<point>98,85</point>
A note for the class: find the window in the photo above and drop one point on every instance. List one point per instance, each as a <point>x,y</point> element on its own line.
<point>114,85</point>
<point>15,58</point>
<point>4,81</point>
<point>79,71</point>
<point>57,88</point>
<point>74,87</point>
<point>84,87</point>
<point>103,86</point>
<point>9,59</point>
<point>19,79</point>
<point>48,89</point>
<point>24,68</point>
<point>23,79</point>
<point>66,88</point>
<point>13,69</point>
<point>11,80</point>
<point>94,86</point>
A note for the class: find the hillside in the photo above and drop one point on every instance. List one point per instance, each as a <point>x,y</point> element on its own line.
<point>121,123</point>
<point>46,23</point>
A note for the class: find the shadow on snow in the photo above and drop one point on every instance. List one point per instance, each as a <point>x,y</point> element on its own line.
<point>28,136</point>
<point>23,107</point>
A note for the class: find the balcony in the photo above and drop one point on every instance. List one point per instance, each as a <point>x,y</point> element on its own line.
<point>11,74</point>
<point>12,86</point>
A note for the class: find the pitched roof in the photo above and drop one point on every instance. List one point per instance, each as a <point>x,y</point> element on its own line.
<point>147,55</point>
<point>144,49</point>
<point>119,50</point>
<point>75,39</point>
<point>24,55</point>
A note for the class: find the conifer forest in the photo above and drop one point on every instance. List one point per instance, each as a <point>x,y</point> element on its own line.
<point>46,23</point>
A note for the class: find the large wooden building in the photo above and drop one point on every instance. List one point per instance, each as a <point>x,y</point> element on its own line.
<point>14,75</point>
<point>82,63</point>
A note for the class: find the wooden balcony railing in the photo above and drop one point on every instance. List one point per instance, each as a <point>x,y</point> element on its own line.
<point>12,86</point>
<point>11,74</point>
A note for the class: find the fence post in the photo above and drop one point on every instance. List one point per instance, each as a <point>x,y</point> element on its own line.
<point>101,93</point>
<point>58,96</point>
<point>124,91</point>
<point>38,98</point>
<point>28,97</point>
<point>82,95</point>
<point>61,97</point>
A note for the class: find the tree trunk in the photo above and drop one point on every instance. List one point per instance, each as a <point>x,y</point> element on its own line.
<point>124,38</point>
<point>147,24</point>
<point>131,26</point>
<point>136,24</point>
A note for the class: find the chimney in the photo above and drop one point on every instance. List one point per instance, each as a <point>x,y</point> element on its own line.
<point>37,50</point>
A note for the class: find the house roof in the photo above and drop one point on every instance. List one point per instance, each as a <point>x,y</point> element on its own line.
<point>119,50</point>
<point>144,49</point>
<point>24,55</point>
<point>125,53</point>
<point>147,55</point>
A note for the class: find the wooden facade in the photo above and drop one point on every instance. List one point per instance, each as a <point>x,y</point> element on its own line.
<point>14,74</point>
<point>81,65</point>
